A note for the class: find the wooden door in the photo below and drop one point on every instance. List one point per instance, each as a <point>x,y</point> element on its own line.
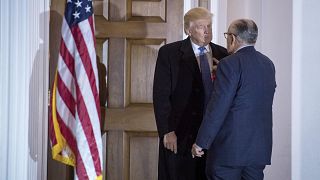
<point>133,31</point>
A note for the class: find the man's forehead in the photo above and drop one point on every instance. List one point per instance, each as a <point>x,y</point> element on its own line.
<point>202,21</point>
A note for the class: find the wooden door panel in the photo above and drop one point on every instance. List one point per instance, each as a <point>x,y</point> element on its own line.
<point>135,30</point>
<point>142,55</point>
<point>139,20</point>
<point>149,9</point>
<point>143,156</point>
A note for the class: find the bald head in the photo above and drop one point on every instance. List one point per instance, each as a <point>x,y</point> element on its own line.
<point>245,30</point>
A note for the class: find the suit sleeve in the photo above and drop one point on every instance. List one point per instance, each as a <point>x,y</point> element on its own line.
<point>219,52</point>
<point>221,100</point>
<point>162,92</point>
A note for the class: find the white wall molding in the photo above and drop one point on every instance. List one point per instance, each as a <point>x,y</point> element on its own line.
<point>305,91</point>
<point>296,90</point>
<point>24,83</point>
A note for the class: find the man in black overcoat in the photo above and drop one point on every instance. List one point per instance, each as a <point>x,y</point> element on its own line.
<point>179,96</point>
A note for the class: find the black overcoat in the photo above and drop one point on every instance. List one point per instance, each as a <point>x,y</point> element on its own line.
<point>178,99</point>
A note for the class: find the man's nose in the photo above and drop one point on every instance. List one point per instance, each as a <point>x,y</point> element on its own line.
<point>206,29</point>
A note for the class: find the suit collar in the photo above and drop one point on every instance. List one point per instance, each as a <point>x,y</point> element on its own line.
<point>188,55</point>
<point>186,47</point>
<point>246,48</point>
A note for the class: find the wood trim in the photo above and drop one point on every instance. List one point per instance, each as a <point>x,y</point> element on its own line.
<point>149,0</point>
<point>146,18</point>
<point>116,72</point>
<point>130,29</point>
<point>135,117</point>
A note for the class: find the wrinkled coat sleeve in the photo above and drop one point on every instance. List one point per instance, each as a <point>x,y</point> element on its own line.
<point>162,92</point>
<point>225,88</point>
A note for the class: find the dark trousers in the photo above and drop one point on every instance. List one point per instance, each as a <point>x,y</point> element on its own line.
<point>180,166</point>
<point>235,173</point>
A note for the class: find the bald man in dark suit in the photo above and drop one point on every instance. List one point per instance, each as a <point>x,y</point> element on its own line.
<point>237,126</point>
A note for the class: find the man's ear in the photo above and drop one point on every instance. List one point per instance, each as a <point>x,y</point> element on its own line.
<point>233,40</point>
<point>189,32</point>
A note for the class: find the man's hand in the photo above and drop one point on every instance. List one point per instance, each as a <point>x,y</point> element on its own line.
<point>215,61</point>
<point>196,151</point>
<point>170,141</point>
<point>214,68</point>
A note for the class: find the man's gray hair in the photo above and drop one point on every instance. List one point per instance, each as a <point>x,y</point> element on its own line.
<point>195,14</point>
<point>246,30</point>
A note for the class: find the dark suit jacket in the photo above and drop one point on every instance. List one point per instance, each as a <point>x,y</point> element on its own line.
<point>178,91</point>
<point>237,127</point>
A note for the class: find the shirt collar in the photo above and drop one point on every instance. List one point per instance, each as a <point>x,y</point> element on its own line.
<point>196,50</point>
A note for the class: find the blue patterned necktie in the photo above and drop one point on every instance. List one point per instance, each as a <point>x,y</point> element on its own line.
<point>206,76</point>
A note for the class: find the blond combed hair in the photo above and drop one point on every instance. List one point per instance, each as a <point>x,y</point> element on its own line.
<point>195,14</point>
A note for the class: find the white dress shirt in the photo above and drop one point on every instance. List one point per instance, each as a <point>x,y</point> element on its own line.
<point>207,51</point>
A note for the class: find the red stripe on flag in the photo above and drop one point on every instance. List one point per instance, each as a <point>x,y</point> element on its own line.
<point>67,57</point>
<point>88,131</point>
<point>80,169</point>
<point>86,61</point>
<point>67,134</point>
<point>91,22</point>
<point>83,114</point>
<point>66,95</point>
<point>63,90</point>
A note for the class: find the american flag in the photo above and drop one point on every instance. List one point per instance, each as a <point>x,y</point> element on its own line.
<point>75,110</point>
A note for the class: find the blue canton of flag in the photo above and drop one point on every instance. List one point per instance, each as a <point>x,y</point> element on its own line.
<point>77,11</point>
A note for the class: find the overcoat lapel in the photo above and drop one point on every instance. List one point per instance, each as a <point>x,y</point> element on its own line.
<point>189,57</point>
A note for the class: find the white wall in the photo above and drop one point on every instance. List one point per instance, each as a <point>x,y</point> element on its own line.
<point>305,91</point>
<point>276,42</point>
<point>23,91</point>
<point>245,9</point>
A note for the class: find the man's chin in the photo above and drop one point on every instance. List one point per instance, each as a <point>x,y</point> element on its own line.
<point>207,41</point>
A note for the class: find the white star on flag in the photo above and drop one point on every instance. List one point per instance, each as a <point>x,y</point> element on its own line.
<point>76,15</point>
<point>78,3</point>
<point>88,8</point>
